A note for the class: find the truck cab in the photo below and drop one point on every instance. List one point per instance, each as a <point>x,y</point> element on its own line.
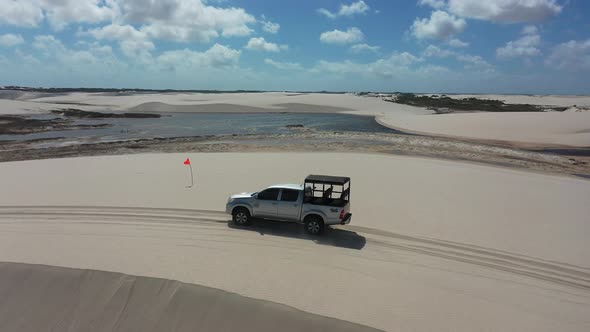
<point>319,202</point>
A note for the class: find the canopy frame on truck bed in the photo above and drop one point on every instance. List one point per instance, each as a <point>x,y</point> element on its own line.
<point>319,189</point>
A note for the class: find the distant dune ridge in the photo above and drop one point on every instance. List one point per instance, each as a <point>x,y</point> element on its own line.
<point>532,128</point>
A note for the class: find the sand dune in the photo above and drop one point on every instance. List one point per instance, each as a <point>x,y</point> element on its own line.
<point>44,298</point>
<point>233,108</point>
<point>433,245</point>
<point>524,129</point>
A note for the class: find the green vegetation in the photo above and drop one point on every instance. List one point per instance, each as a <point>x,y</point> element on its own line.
<point>76,113</point>
<point>446,104</point>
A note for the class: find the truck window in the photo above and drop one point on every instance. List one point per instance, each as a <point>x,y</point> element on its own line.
<point>269,194</point>
<point>290,195</point>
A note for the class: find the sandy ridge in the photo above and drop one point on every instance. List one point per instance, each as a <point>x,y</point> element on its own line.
<point>43,298</point>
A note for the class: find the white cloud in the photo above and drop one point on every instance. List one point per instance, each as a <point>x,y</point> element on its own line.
<point>440,25</point>
<point>436,4</point>
<point>54,49</point>
<point>433,70</point>
<point>259,44</point>
<point>90,63</point>
<point>458,43</point>
<point>471,62</point>
<point>178,33</point>
<point>270,27</point>
<point>358,48</point>
<point>339,67</point>
<point>138,11</point>
<point>475,62</point>
<point>133,43</point>
<point>359,7</point>
<point>351,35</point>
<point>525,47</point>
<point>48,44</point>
<point>11,39</point>
<point>437,52</point>
<point>137,42</point>
<point>103,50</point>
<point>186,20</point>
<point>24,13</point>
<point>60,13</point>
<point>139,50</point>
<point>284,65</point>
<point>530,30</point>
<point>118,32</point>
<point>392,66</point>
<point>389,67</point>
<point>177,20</point>
<point>573,55</point>
<point>28,59</point>
<point>217,56</point>
<point>506,11</point>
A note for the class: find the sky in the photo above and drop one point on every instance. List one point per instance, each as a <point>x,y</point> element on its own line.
<point>453,46</point>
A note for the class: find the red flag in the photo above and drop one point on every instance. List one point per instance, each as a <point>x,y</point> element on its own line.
<point>187,161</point>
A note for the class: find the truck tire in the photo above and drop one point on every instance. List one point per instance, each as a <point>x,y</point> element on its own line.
<point>241,216</point>
<point>314,225</point>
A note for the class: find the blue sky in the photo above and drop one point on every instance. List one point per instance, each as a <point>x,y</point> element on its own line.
<point>495,46</point>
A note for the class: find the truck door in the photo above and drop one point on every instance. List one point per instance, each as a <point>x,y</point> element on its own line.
<point>266,204</point>
<point>290,204</point>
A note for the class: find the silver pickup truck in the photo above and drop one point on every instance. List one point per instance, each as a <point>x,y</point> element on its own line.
<point>321,201</point>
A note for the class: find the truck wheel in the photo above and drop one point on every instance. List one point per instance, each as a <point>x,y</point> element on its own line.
<point>241,216</point>
<point>314,225</point>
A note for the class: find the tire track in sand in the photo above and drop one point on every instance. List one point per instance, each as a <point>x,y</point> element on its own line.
<point>550,271</point>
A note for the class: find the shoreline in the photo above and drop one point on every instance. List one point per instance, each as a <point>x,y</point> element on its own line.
<point>313,141</point>
<point>537,129</point>
<point>379,119</point>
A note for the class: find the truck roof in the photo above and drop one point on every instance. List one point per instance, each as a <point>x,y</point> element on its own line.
<point>337,180</point>
<point>288,186</point>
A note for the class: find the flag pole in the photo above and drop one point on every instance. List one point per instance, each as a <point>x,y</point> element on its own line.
<point>188,162</point>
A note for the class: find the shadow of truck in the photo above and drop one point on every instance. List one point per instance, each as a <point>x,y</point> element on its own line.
<point>336,237</point>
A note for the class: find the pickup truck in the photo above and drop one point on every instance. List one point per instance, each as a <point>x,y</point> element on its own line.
<point>321,201</point>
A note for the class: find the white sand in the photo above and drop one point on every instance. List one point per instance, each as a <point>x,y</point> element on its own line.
<point>551,128</point>
<point>566,128</point>
<point>95,301</point>
<point>443,245</point>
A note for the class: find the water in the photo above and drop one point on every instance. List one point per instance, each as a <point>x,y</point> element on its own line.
<point>204,124</point>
